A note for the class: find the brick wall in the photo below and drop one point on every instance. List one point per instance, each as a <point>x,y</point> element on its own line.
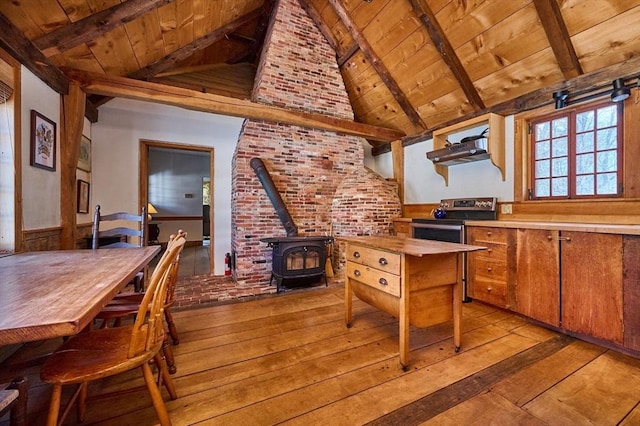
<point>298,70</point>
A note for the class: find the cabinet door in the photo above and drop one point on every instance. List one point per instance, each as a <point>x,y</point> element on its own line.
<point>591,271</point>
<point>631,292</point>
<point>537,289</point>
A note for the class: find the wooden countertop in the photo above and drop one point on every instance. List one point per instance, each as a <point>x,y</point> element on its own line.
<point>602,228</point>
<point>410,246</point>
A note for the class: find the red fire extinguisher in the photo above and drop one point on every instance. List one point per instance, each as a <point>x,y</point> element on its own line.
<point>227,264</point>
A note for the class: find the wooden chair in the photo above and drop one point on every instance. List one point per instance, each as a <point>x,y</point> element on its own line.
<point>13,400</point>
<point>97,354</point>
<point>120,230</point>
<point>126,304</point>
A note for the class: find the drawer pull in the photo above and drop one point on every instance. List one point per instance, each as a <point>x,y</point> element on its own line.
<point>489,289</point>
<point>489,269</point>
<point>356,254</point>
<point>383,261</point>
<point>489,250</point>
<point>356,273</point>
<point>489,233</point>
<point>382,281</point>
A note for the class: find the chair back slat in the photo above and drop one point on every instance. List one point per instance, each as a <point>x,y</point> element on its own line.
<point>148,324</point>
<point>120,227</point>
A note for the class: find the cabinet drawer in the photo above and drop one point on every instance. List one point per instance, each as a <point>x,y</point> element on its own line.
<point>489,291</point>
<point>494,251</point>
<point>378,259</point>
<point>486,234</point>
<point>492,270</point>
<point>381,280</point>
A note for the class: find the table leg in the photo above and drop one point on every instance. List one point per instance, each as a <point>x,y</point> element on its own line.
<point>404,331</point>
<point>457,306</point>
<point>348,302</point>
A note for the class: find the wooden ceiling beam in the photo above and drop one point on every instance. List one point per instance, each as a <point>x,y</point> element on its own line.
<point>205,102</point>
<point>378,65</point>
<point>585,83</point>
<point>558,36</point>
<point>17,45</point>
<point>183,53</point>
<point>94,26</point>
<point>429,21</point>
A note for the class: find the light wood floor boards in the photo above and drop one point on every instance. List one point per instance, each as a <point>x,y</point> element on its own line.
<point>289,359</point>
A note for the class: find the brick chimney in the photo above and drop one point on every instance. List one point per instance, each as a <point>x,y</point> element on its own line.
<point>298,70</point>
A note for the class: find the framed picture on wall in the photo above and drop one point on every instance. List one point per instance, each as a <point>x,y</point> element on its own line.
<point>43,142</point>
<point>83,196</point>
<point>84,160</point>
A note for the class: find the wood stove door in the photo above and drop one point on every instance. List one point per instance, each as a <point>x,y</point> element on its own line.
<point>303,261</point>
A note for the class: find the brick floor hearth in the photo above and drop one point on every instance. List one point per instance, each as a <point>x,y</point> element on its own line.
<point>206,290</point>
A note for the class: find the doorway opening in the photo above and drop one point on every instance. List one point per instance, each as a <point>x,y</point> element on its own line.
<point>171,180</point>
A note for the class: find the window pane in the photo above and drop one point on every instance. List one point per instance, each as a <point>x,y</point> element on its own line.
<point>607,161</point>
<point>607,116</point>
<point>584,121</point>
<point>584,164</point>
<point>559,187</point>
<point>543,131</point>
<point>607,139</point>
<point>543,169</point>
<point>543,189</point>
<point>543,150</point>
<point>559,127</point>
<point>607,183</point>
<point>560,147</point>
<point>584,142</point>
<point>559,167</point>
<point>584,185</point>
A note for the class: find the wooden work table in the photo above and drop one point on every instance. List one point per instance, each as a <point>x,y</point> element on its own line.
<point>48,294</point>
<point>417,281</point>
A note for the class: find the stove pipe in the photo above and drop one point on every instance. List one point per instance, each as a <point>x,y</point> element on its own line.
<point>267,183</point>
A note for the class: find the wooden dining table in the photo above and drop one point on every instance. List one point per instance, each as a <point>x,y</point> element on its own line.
<point>47,294</point>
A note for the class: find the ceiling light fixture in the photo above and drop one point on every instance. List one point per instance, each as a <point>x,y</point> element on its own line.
<point>619,93</point>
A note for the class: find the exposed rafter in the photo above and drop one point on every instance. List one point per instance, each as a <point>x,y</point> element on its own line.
<point>183,53</point>
<point>449,56</point>
<point>94,26</point>
<point>206,102</point>
<point>556,30</point>
<point>378,65</point>
<point>21,48</point>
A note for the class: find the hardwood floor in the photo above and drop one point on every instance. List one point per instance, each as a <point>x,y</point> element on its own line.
<point>289,359</point>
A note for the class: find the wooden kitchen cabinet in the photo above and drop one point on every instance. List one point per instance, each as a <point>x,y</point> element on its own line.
<point>537,284</point>
<point>491,271</point>
<point>402,227</point>
<point>591,280</point>
<point>631,291</point>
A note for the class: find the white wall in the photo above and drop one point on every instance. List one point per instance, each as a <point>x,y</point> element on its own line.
<point>115,151</point>
<point>477,179</point>
<point>40,188</point>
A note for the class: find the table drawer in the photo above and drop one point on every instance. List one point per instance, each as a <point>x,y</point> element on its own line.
<point>378,259</point>
<point>373,277</point>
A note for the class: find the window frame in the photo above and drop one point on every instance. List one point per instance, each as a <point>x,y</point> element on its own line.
<point>571,114</point>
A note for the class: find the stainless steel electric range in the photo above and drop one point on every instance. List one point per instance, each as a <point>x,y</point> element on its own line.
<point>451,227</point>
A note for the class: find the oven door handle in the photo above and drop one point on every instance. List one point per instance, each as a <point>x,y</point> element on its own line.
<point>437,226</point>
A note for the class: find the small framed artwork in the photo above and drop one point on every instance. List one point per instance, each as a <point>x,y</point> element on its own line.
<point>84,160</point>
<point>43,142</point>
<point>83,196</point>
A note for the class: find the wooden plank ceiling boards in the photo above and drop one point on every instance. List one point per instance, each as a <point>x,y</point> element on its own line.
<point>412,66</point>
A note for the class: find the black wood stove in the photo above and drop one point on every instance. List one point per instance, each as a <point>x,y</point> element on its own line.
<point>297,258</point>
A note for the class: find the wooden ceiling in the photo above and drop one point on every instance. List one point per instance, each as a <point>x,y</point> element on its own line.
<point>408,65</point>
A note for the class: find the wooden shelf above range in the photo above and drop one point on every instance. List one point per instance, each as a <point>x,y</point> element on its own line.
<point>495,141</point>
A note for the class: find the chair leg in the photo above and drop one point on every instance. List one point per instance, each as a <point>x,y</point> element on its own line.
<point>54,405</point>
<point>18,416</point>
<point>82,401</point>
<point>166,378</point>
<point>168,355</point>
<point>154,392</point>
<point>173,331</point>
